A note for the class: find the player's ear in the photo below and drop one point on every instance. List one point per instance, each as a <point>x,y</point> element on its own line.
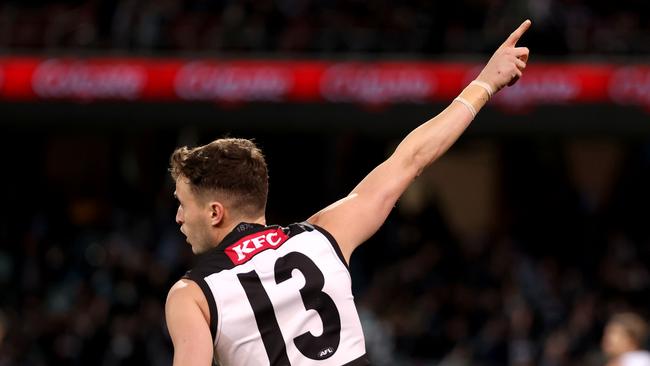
<point>216,213</point>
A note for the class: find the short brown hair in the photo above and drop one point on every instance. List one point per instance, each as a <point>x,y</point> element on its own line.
<point>231,166</point>
<point>634,326</point>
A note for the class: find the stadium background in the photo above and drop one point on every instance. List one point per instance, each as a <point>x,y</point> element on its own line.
<point>513,249</point>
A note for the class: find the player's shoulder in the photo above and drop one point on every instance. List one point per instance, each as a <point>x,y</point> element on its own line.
<point>306,226</point>
<point>183,290</point>
<point>186,307</point>
<point>299,227</point>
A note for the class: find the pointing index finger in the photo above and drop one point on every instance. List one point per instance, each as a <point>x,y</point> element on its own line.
<point>514,36</point>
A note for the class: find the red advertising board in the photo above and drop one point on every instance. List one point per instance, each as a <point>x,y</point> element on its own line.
<point>151,79</point>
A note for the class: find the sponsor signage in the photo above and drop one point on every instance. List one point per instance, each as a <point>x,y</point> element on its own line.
<point>247,247</point>
<point>279,81</point>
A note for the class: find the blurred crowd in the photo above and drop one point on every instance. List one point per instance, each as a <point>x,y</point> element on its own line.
<point>320,27</point>
<point>566,247</point>
<point>512,253</point>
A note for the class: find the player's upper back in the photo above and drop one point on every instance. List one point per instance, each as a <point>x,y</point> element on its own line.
<point>280,296</point>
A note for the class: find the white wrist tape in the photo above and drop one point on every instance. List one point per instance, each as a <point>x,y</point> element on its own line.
<point>483,85</point>
<point>467,104</point>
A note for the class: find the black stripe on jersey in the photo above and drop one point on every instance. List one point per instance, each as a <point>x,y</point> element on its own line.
<point>212,305</point>
<point>361,361</point>
<point>267,323</point>
<point>334,243</point>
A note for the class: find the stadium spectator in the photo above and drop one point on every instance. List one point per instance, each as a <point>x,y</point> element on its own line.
<point>625,335</point>
<point>564,27</point>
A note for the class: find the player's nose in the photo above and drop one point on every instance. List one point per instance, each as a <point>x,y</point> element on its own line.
<point>179,216</point>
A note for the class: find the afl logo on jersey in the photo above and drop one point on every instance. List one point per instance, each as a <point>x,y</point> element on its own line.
<point>247,247</point>
<point>326,352</point>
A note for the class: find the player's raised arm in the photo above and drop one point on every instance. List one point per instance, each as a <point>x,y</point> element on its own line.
<point>353,219</point>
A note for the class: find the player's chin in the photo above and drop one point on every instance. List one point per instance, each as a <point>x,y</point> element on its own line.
<point>187,241</point>
<point>197,249</point>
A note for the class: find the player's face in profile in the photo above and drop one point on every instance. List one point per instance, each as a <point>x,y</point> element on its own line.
<point>193,216</point>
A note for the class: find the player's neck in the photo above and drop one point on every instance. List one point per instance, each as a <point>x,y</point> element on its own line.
<point>249,220</point>
<point>228,227</point>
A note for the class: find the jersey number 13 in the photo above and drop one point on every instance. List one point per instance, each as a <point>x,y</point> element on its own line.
<point>313,297</point>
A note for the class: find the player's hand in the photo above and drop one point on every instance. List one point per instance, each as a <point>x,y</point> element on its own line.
<point>508,62</point>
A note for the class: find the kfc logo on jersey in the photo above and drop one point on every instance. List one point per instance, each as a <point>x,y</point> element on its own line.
<point>247,247</point>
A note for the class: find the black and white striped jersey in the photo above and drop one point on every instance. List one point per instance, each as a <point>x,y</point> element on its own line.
<point>280,296</point>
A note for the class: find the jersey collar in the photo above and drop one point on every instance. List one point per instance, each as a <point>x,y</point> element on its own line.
<point>242,229</point>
